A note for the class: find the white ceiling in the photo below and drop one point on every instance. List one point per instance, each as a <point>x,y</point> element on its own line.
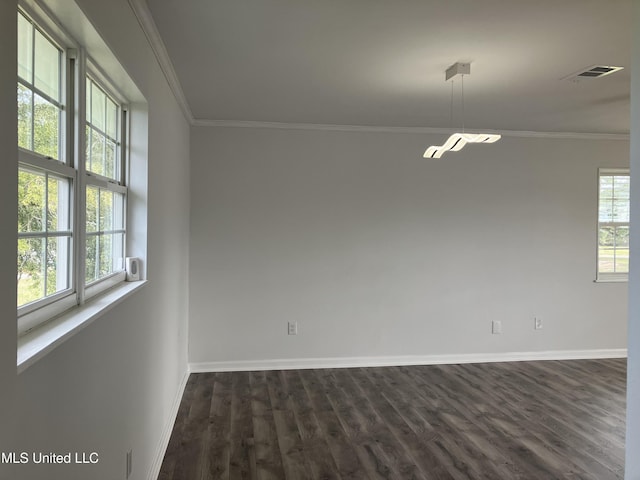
<point>382,62</point>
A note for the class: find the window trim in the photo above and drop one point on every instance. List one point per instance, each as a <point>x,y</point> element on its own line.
<point>607,277</point>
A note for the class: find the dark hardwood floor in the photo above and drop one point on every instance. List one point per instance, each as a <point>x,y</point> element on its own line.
<point>522,420</point>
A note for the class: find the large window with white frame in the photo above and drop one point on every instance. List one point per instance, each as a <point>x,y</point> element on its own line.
<point>72,193</point>
<point>613,224</point>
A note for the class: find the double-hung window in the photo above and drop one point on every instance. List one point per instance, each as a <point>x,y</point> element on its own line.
<point>613,224</point>
<point>72,195</point>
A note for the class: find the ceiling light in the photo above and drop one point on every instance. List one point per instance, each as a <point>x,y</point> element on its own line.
<point>457,141</point>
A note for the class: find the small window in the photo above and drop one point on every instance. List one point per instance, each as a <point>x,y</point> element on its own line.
<point>613,225</point>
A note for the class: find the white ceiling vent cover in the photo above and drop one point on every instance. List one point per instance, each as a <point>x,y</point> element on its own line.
<point>594,71</point>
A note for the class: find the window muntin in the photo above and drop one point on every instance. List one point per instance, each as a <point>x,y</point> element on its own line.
<point>613,224</point>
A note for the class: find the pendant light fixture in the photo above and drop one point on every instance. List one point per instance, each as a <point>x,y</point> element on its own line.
<point>457,141</point>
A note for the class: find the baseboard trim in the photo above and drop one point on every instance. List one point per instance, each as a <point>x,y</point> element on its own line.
<point>168,428</point>
<point>401,360</point>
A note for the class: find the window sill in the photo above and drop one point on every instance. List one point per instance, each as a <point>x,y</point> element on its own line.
<point>37,343</point>
<point>612,280</point>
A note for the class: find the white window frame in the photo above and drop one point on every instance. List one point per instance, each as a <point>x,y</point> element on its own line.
<point>75,68</point>
<point>608,276</point>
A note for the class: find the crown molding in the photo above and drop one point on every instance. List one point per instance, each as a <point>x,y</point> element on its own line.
<point>148,25</point>
<point>403,130</point>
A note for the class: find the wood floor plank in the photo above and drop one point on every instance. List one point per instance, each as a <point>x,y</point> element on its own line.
<point>564,433</point>
<point>268,457</point>
<point>537,462</point>
<point>499,421</point>
<point>341,450</point>
<point>314,445</point>
<point>356,425</point>
<point>219,429</point>
<point>242,460</point>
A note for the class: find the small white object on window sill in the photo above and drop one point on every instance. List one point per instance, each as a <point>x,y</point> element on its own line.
<point>133,269</point>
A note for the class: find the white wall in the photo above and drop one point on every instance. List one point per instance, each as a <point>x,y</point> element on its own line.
<point>377,252</point>
<point>632,467</point>
<point>111,387</point>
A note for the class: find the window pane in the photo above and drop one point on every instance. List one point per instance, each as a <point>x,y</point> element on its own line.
<point>606,187</point>
<point>98,100</point>
<point>118,211</point>
<point>91,273</point>
<point>92,209</point>
<point>47,67</point>
<point>46,128</point>
<point>25,48</point>
<point>58,255</point>
<point>25,113</point>
<point>112,119</point>
<point>605,210</point>
<point>622,237</point>
<point>117,244</point>
<point>622,260</point>
<point>622,250</point>
<point>110,169</point>
<point>621,210</point>
<point>606,249</point>
<point>111,248</point>
<point>31,256</point>
<point>106,255</point>
<point>621,186</point>
<point>106,210</point>
<point>97,153</point>
<point>31,201</point>
<point>58,204</point>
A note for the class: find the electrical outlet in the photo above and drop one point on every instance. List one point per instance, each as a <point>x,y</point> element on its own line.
<point>496,327</point>
<point>129,463</point>
<point>537,323</point>
<point>293,328</point>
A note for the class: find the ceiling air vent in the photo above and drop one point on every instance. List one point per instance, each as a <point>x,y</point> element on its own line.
<point>594,71</point>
